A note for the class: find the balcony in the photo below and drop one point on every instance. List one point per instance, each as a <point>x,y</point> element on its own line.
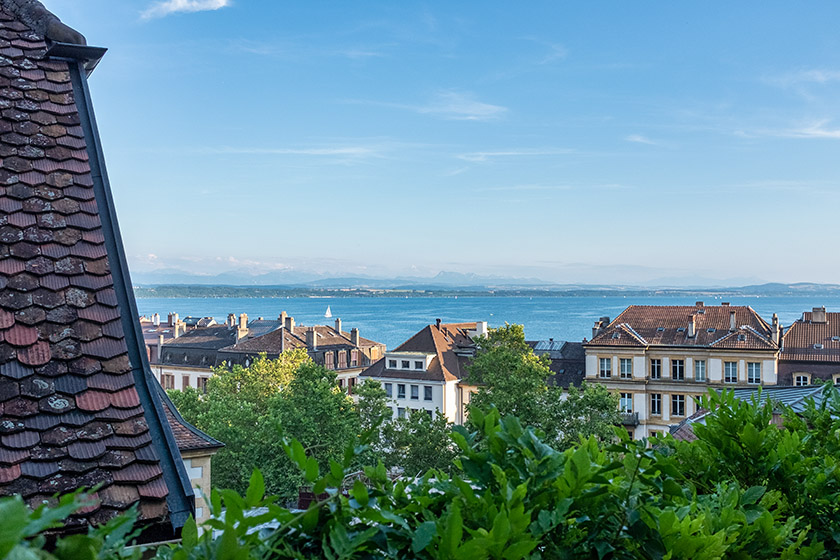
<point>629,418</point>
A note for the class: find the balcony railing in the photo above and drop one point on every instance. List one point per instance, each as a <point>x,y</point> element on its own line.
<point>630,418</point>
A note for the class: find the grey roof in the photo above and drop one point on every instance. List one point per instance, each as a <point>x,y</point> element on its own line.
<point>793,397</point>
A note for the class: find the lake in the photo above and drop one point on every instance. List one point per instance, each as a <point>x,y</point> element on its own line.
<point>393,320</point>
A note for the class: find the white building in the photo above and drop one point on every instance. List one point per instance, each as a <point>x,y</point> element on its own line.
<point>428,371</point>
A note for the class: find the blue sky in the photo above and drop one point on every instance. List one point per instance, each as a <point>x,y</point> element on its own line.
<point>609,142</point>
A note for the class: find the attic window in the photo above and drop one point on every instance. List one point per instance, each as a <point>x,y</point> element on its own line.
<point>835,338</point>
<point>818,346</point>
<point>710,330</point>
<point>616,335</point>
<point>660,329</point>
<point>701,311</point>
<point>742,337</point>
<point>681,329</point>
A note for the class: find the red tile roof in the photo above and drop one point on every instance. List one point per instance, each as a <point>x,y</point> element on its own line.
<point>668,325</point>
<point>808,341</point>
<point>448,342</point>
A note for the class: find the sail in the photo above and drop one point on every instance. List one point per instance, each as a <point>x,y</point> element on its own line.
<point>328,314</point>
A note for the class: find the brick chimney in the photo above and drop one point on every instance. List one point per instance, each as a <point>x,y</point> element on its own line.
<point>311,338</point>
<point>692,327</point>
<point>290,324</point>
<point>354,336</point>
<point>732,325</point>
<point>242,329</point>
<point>338,325</point>
<point>818,315</point>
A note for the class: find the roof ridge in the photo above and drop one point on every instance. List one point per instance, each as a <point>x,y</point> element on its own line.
<point>42,21</point>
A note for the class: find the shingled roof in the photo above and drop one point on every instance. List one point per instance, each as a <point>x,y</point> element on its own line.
<point>810,340</point>
<point>78,405</point>
<point>449,342</point>
<point>668,325</point>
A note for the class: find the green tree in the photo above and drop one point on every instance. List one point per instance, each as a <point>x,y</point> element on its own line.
<point>513,379</point>
<point>418,443</point>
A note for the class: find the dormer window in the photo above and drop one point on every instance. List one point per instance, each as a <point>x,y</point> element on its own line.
<point>710,330</point>
<point>681,329</point>
<point>660,329</point>
<point>818,346</point>
<point>406,364</point>
<point>418,364</point>
<point>616,335</point>
<point>392,364</point>
<point>742,337</point>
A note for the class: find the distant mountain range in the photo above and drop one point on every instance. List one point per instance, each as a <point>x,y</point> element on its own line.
<point>300,283</point>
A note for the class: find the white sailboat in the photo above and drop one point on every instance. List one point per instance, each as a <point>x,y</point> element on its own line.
<point>328,314</point>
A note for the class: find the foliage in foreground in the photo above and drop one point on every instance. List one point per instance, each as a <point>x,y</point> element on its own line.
<point>745,490</point>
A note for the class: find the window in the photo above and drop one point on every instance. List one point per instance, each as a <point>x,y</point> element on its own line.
<point>730,372</point>
<point>699,370</point>
<point>418,364</point>
<point>837,379</point>
<point>427,392</point>
<point>656,369</point>
<point>753,373</point>
<point>677,405</point>
<point>328,360</point>
<point>802,379</point>
<point>415,392</point>
<point>201,384</point>
<point>400,412</point>
<point>354,358</point>
<point>626,368</point>
<point>656,404</point>
<point>400,391</point>
<point>429,412</point>
<point>406,364</point>
<point>185,381</point>
<point>389,390</point>
<point>342,359</point>
<point>341,383</point>
<point>392,364</point>
<point>625,403</point>
<point>678,370</point>
<point>167,381</point>
<point>605,367</point>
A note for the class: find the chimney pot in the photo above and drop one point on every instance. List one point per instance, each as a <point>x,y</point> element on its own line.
<point>231,320</point>
<point>777,328</point>
<point>437,322</point>
<point>156,319</point>
<point>699,304</point>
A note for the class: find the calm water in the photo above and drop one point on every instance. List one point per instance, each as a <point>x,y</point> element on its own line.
<point>394,320</point>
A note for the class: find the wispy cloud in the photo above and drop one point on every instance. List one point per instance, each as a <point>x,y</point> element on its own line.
<point>812,76</point>
<point>819,129</point>
<point>450,105</point>
<point>639,139</point>
<point>167,7</point>
<point>292,50</point>
<point>353,151</point>
<point>503,154</point>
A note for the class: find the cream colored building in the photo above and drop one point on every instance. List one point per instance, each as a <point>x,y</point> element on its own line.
<point>661,360</point>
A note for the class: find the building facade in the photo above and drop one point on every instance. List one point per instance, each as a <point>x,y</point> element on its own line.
<point>347,353</point>
<point>428,371</point>
<point>661,359</point>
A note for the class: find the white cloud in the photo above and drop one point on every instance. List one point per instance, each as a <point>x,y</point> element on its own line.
<point>167,7</point>
<point>639,139</point>
<point>461,106</point>
<point>486,156</point>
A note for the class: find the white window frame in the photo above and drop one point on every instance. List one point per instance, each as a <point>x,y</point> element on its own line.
<point>803,376</point>
<point>625,372</point>
<point>700,370</point>
<point>604,368</point>
<point>727,374</point>
<point>754,377</point>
